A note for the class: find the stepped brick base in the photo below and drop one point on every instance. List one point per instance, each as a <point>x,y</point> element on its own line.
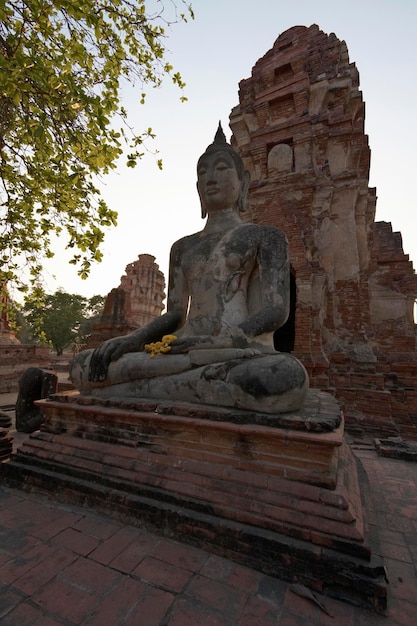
<point>284,501</point>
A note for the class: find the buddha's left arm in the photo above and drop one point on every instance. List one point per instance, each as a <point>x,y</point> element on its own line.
<point>273,284</point>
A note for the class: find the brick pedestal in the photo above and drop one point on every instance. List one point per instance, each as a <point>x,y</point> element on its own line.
<point>284,501</point>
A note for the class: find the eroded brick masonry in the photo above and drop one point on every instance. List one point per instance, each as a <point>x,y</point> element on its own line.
<point>299,127</point>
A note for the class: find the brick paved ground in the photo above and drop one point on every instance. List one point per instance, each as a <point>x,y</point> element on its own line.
<point>63,565</point>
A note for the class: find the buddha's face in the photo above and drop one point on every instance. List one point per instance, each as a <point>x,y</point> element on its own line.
<point>218,182</point>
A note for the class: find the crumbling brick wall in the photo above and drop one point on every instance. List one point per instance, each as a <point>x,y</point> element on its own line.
<point>299,127</point>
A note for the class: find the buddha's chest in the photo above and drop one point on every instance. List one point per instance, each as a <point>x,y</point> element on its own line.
<point>221,256</point>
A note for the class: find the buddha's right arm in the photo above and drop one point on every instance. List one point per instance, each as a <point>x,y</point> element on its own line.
<point>112,349</point>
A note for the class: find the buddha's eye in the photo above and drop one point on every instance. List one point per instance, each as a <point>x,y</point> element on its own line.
<point>222,166</point>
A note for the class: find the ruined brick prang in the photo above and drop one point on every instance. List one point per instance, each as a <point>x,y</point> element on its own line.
<point>299,127</point>
<point>136,302</point>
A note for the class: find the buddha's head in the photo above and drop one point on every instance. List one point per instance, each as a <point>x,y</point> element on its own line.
<point>222,180</point>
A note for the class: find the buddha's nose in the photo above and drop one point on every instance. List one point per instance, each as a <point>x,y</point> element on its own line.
<point>211,176</point>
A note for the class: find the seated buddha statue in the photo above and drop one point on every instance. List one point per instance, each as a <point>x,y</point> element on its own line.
<point>228,292</point>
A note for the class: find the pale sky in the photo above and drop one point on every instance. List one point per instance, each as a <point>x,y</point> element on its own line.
<point>214,53</point>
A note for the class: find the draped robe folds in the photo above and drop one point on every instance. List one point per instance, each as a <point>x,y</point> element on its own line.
<point>237,282</point>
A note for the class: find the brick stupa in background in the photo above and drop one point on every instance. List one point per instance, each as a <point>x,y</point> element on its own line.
<point>299,127</point>
<point>138,300</point>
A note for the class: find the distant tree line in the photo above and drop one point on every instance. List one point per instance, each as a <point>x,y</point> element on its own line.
<point>61,320</point>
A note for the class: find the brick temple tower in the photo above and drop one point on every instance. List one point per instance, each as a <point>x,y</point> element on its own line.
<point>136,302</point>
<point>144,284</point>
<point>299,127</point>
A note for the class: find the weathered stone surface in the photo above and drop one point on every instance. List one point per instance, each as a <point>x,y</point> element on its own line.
<point>136,302</point>
<point>299,127</point>
<point>397,448</point>
<point>6,440</point>
<point>144,284</point>
<point>319,414</point>
<point>271,383</point>
<point>35,384</point>
<point>229,290</point>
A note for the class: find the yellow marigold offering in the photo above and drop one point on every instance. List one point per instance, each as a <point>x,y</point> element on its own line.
<point>160,347</point>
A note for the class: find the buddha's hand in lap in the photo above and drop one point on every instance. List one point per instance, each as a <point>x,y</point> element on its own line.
<point>109,351</point>
<point>233,339</point>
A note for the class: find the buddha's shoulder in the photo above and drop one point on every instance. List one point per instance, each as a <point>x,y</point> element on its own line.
<point>261,232</point>
<point>185,242</point>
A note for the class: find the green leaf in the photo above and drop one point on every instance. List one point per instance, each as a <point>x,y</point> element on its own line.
<point>61,67</point>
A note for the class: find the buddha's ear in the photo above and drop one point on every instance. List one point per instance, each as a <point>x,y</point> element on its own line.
<point>203,211</point>
<point>244,191</point>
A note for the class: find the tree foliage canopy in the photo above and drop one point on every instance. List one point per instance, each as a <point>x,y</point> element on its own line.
<point>60,319</point>
<point>62,66</point>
